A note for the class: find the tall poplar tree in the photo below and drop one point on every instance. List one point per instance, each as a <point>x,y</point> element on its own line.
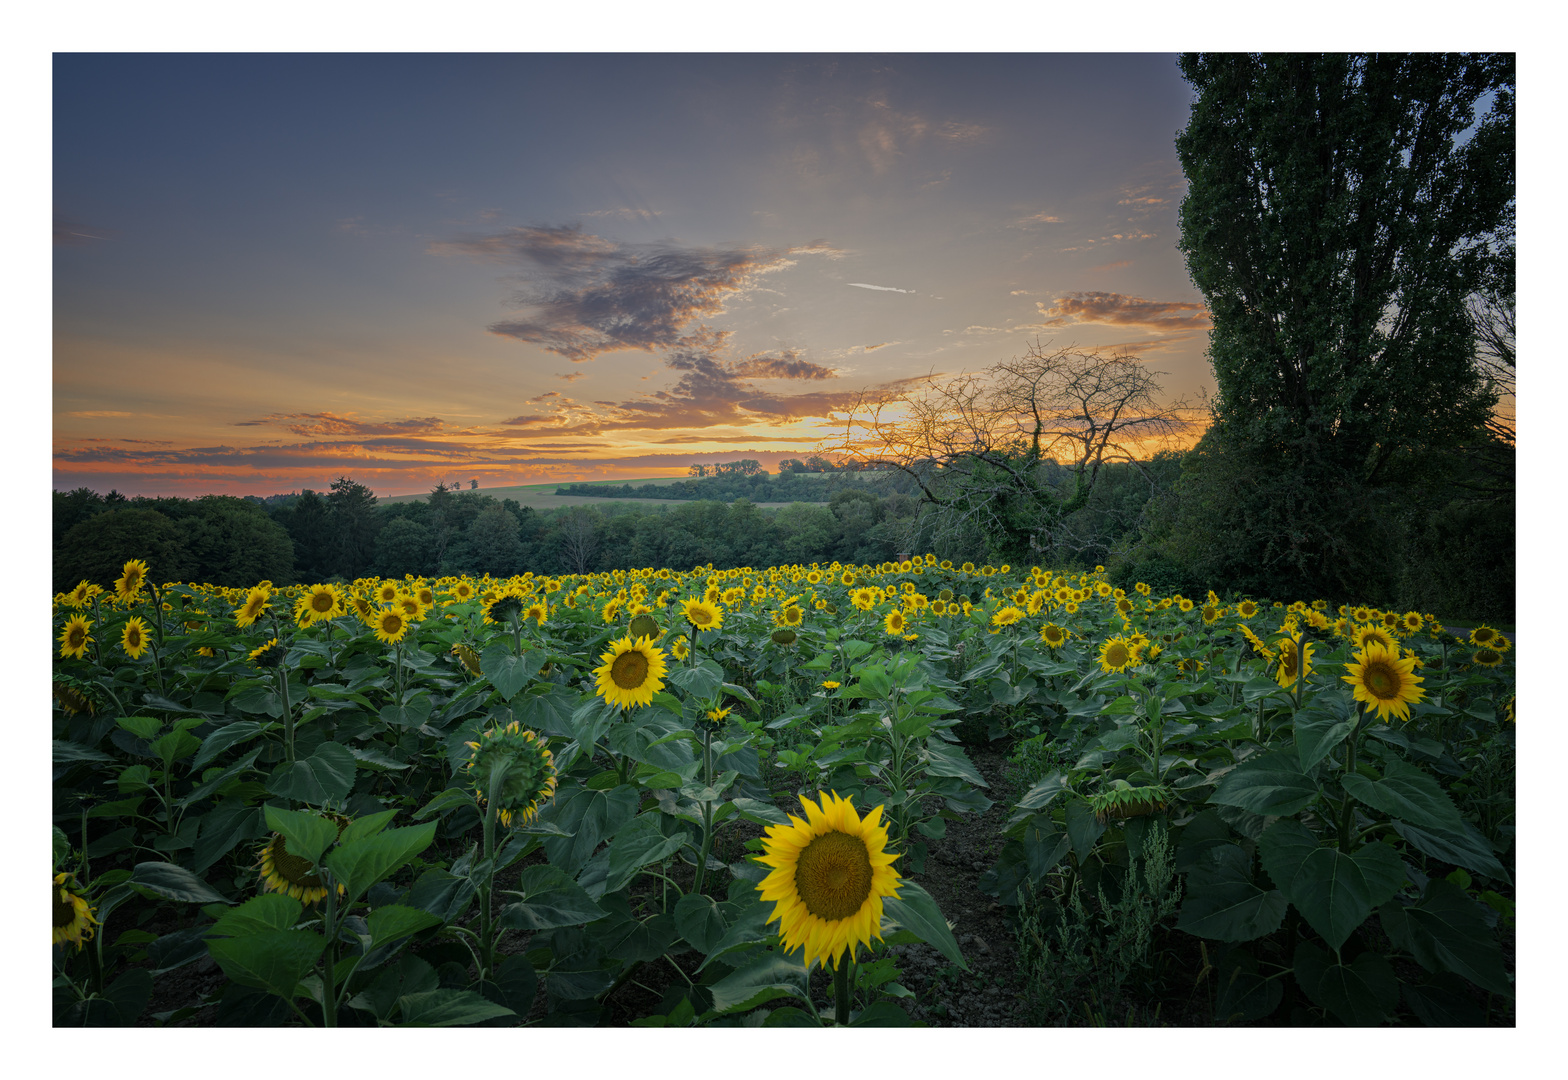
<point>1341,213</point>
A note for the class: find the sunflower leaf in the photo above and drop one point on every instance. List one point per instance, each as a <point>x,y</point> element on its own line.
<point>359,864</point>
<point>916,910</point>
<point>176,883</point>
<point>306,834</point>
<point>1409,794</point>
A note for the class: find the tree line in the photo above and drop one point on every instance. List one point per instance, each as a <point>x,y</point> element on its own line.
<point>756,484</point>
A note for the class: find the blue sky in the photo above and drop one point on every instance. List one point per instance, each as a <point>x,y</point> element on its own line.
<point>273,269</point>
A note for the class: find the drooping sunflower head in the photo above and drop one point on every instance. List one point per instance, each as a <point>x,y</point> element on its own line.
<point>632,672</point>
<point>468,657</point>
<point>73,915</point>
<point>1486,657</point>
<point>282,871</point>
<point>132,577</point>
<point>74,638</point>
<point>783,636</point>
<point>528,781</point>
<point>1053,635</point>
<point>1378,677</point>
<point>133,637</point>
<point>830,873</point>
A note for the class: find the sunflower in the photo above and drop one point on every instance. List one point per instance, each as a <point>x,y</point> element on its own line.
<point>269,655</point>
<point>830,684</point>
<point>1500,644</point>
<point>1185,604</point>
<point>133,638</point>
<point>538,611</point>
<point>829,875</point>
<point>1246,609</point>
<point>703,614</point>
<point>894,623</point>
<point>1413,622</point>
<point>319,603</point>
<point>412,607</point>
<point>132,577</point>
<point>1482,635</point>
<point>1053,635</point>
<point>286,873</point>
<point>469,658</point>
<point>1006,616</point>
<point>633,671</point>
<point>390,626</point>
<point>463,591</point>
<point>1486,657</point>
<point>529,781</point>
<point>1289,669</point>
<point>73,915</point>
<point>386,592</point>
<point>1362,614</point>
<point>679,649</point>
<point>1211,614</point>
<point>1379,678</point>
<point>793,615</point>
<point>426,595</point>
<point>865,598</point>
<point>1363,636</point>
<point>1117,654</point>
<point>79,596</point>
<point>74,639</point>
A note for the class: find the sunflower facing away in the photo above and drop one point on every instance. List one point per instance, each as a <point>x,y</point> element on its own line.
<point>529,781</point>
<point>633,671</point>
<point>702,614</point>
<point>289,874</point>
<point>74,639</point>
<point>133,638</point>
<point>830,874</point>
<point>1379,678</point>
<point>73,915</point>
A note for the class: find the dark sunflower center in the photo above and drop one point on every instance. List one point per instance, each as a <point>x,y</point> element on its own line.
<point>833,876</point>
<point>64,910</point>
<point>133,637</point>
<point>1483,634</point>
<point>292,868</point>
<point>1381,681</point>
<point>391,623</point>
<point>76,637</point>
<point>629,670</point>
<point>1116,655</point>
<point>1488,657</point>
<point>321,603</point>
<point>701,616</point>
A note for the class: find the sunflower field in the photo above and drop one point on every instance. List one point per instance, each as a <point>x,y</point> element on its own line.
<point>717,797</point>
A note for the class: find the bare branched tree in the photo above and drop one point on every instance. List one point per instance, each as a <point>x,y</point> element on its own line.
<point>1009,452</point>
<point>579,539</point>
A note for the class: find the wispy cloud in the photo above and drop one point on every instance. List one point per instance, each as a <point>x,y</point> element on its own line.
<point>1115,309</point>
<point>585,295</point>
<point>878,288</point>
<point>75,234</point>
<point>326,423</point>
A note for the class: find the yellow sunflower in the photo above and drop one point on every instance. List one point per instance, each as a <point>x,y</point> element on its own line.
<point>79,596</point>
<point>1364,636</point>
<point>1117,654</point>
<point>390,626</point>
<point>865,598</point>
<point>1289,669</point>
<point>1413,622</point>
<point>1006,616</point>
<point>286,873</point>
<point>1379,678</point>
<point>1246,609</point>
<point>793,615</point>
<point>73,915</point>
<point>463,591</point>
<point>703,614</point>
<point>538,611</point>
<point>679,649</point>
<point>386,592</point>
<point>319,603</point>
<point>74,639</point>
<point>894,623</point>
<point>132,577</point>
<point>133,638</point>
<point>1486,657</point>
<point>829,876</point>
<point>1482,635</point>
<point>633,671</point>
<point>1053,635</point>
<point>529,781</point>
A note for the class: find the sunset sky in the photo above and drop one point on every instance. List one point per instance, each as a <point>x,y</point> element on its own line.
<point>271,270</point>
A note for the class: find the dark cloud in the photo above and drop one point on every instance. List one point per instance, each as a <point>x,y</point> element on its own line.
<point>585,295</point>
<point>326,423</point>
<point>1114,309</point>
<point>787,366</point>
<point>523,421</point>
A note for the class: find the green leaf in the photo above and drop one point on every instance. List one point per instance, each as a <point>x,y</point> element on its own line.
<point>944,759</point>
<point>274,960</point>
<point>324,778</point>
<point>1447,931</point>
<point>225,738</point>
<point>369,825</point>
<point>176,883</point>
<point>637,845</point>
<point>143,727</point>
<point>770,976</point>
<point>915,910</point>
<point>1334,892</point>
<point>699,921</point>
<point>1222,902</point>
<point>507,672</point>
<point>394,921</point>
<point>1083,829</point>
<point>69,751</point>
<point>362,863</point>
<point>378,759</point>
<point>1407,793</point>
<point>413,713</point>
<point>1269,784</point>
<point>1361,993</point>
<point>407,975</point>
<point>306,834</point>
<point>702,681</point>
<point>1244,994</point>
<point>207,787</point>
<point>258,915</point>
<point>589,816</point>
<point>1320,728</point>
<point>760,813</point>
<point>1468,848</point>
<point>447,799</point>
<point>550,899</point>
<point>1443,1001</point>
<point>1040,796</point>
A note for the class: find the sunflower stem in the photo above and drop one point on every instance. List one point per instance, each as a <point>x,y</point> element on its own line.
<point>288,714</point>
<point>841,982</point>
<point>329,997</point>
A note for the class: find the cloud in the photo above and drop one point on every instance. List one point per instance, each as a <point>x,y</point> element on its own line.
<point>326,423</point>
<point>1109,266</point>
<point>571,376</point>
<point>878,288</point>
<point>625,213</point>
<point>1114,309</point>
<point>93,414</point>
<point>681,439</point>
<point>781,367</point>
<point>958,132</point>
<point>878,345</point>
<point>522,421</point>
<point>1041,218</point>
<point>585,295</point>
